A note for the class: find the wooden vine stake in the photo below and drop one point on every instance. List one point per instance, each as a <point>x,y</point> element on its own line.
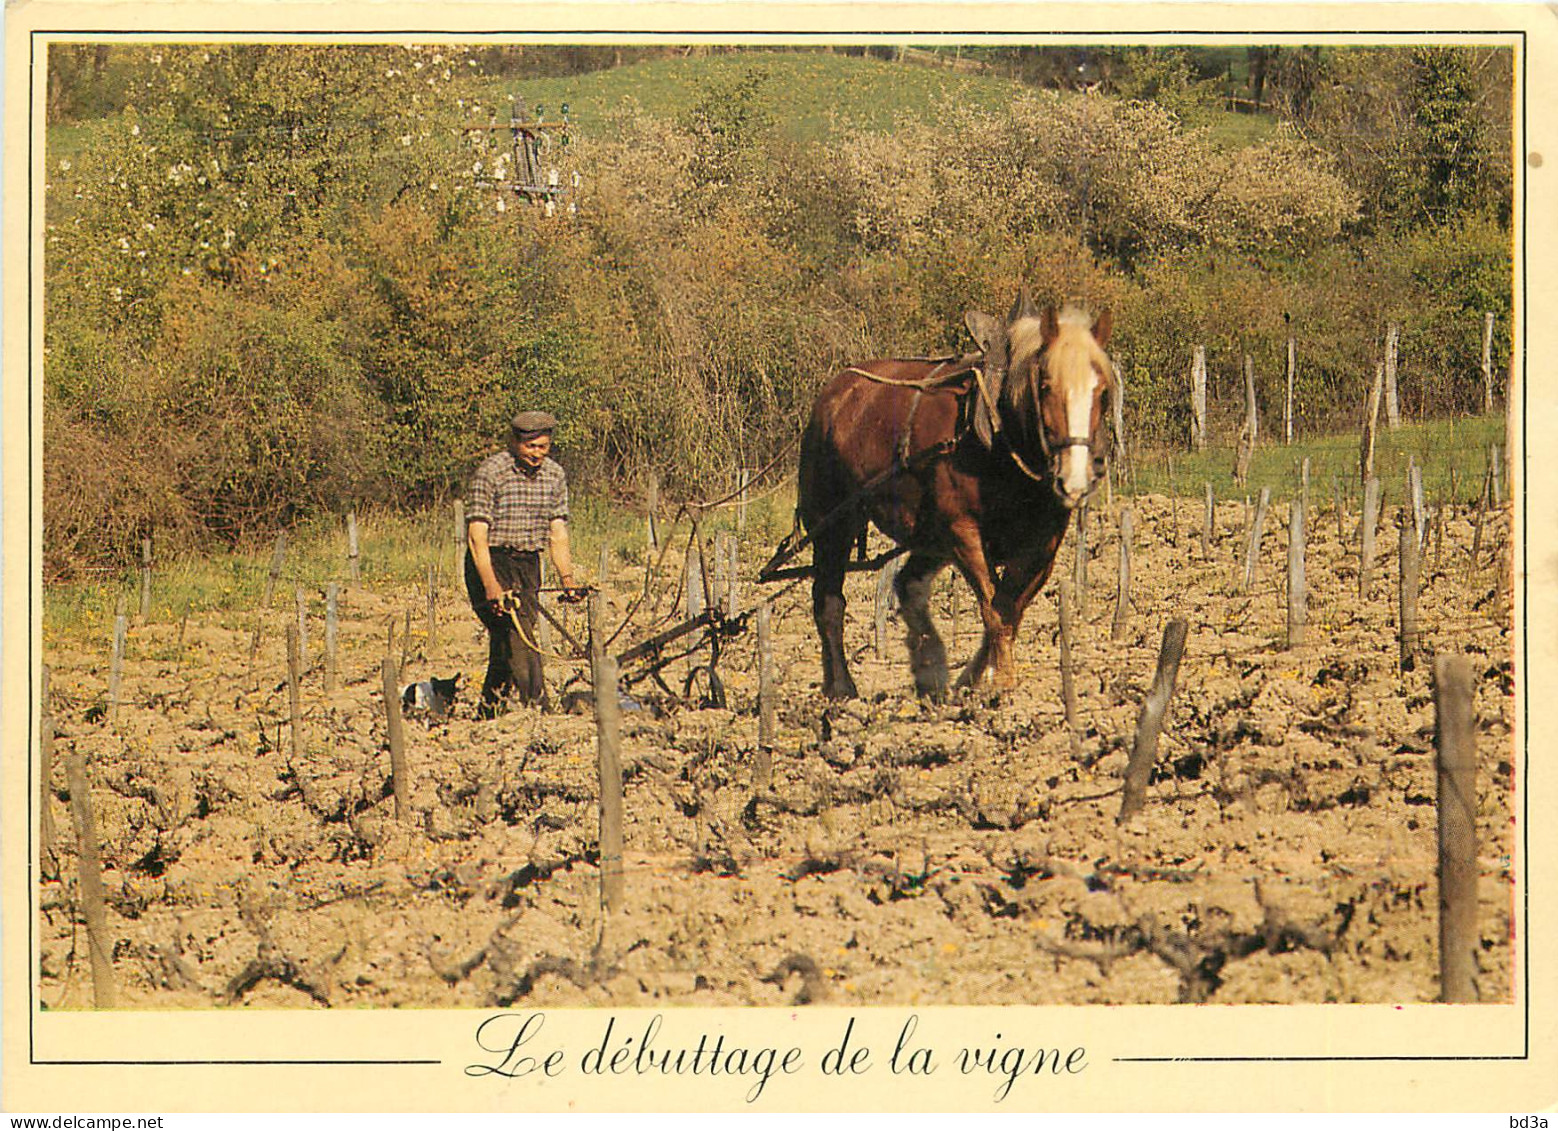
<point>741,506</point>
<point>652,505</point>
<point>1198,399</point>
<point>254,652</point>
<point>1144,752</point>
<point>1208,523</point>
<point>717,573</point>
<point>1482,512</point>
<point>1298,598</point>
<point>294,691</point>
<point>1338,506</point>
<point>116,664</point>
<point>1249,434</point>
<point>1455,747</point>
<point>1079,560</point>
<point>459,528</point>
<point>302,615</point>
<point>1287,414</point>
<point>1370,425</point>
<point>352,558</point>
<point>1392,397</point>
<point>693,579</point>
<point>733,577</point>
<point>99,945</point>
<point>705,573</point>
<point>332,596</point>
<point>1487,362</point>
<point>432,611</point>
<point>145,580</point>
<point>1120,459</point>
<point>1504,583</point>
<point>178,659</point>
<point>1411,554</point>
<point>762,774</point>
<point>1122,599</point>
<point>1252,547</point>
<point>47,864</point>
<point>608,731</point>
<point>278,555</point>
<point>1419,504</point>
<point>400,775</point>
<point>1438,524</point>
<point>1068,687</point>
<point>1370,521</point>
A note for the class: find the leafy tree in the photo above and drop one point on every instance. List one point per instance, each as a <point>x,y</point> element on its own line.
<point>1166,76</point>
<point>1452,151</point>
<point>1414,132</point>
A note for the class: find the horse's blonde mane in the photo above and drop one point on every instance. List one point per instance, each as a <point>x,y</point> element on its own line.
<point>1074,332</point>
<point>1026,338</point>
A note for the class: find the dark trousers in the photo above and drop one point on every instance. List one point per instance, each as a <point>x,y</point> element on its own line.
<point>513,665</point>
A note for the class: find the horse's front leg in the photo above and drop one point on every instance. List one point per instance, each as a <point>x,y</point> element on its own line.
<point>927,654</point>
<point>996,645</point>
<point>1022,580</point>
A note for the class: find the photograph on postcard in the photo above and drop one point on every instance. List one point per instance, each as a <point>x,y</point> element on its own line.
<point>296,292</point>
<point>662,523</point>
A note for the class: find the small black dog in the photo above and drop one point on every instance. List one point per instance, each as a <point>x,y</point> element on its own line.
<point>432,699</point>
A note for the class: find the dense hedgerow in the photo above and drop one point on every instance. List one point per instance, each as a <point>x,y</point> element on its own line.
<point>279,280</point>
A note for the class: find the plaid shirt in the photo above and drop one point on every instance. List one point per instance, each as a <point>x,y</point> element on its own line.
<point>518,507</point>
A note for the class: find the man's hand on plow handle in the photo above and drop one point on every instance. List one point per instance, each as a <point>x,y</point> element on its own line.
<point>509,600</point>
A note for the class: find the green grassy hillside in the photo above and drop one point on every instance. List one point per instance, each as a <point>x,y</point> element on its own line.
<point>812,93</point>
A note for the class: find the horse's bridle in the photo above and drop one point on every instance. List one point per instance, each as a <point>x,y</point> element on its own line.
<point>1052,450</point>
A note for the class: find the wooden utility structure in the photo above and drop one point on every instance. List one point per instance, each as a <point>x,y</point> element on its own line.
<point>523,170</point>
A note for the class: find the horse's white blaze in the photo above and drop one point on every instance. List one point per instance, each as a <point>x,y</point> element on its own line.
<point>1076,460</point>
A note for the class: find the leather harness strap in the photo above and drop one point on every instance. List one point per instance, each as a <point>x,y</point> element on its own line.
<point>908,428</point>
<point>948,370</point>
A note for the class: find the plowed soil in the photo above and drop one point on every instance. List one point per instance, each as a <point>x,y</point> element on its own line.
<point>904,852</point>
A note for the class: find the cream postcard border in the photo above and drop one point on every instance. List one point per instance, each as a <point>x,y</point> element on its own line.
<point>1149,1058</point>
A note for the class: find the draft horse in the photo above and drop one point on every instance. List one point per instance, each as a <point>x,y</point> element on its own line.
<point>977,461</point>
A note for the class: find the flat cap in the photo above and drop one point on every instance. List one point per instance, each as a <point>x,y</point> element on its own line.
<point>528,424</point>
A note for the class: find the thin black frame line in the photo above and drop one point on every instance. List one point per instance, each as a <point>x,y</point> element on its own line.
<point>1301,1059</point>
<point>34,566</point>
<point>1519,35</point>
<point>202,1063</point>
<point>1525,526</point>
<point>367,38</point>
